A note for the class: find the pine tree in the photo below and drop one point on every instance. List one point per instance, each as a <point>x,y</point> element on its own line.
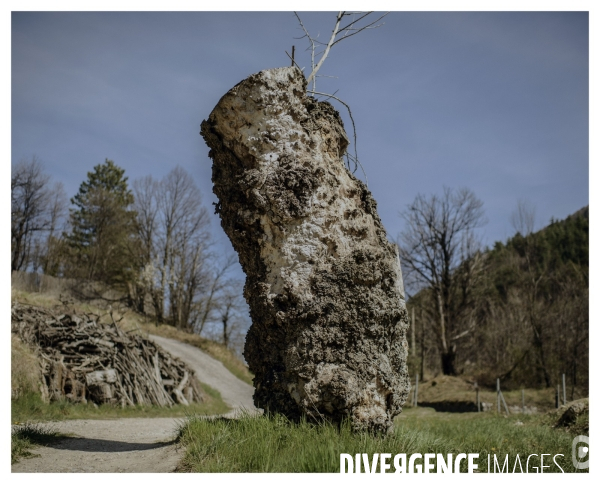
<point>102,227</point>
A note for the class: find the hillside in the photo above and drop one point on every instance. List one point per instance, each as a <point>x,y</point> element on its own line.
<point>525,320</point>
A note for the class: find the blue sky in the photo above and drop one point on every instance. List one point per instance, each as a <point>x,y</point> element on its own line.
<point>493,101</point>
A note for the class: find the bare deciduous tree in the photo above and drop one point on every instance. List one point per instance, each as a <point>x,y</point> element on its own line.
<point>533,321</point>
<point>173,231</point>
<point>438,249</point>
<point>231,304</point>
<point>37,208</point>
<point>229,319</point>
<point>523,218</point>
<point>210,300</point>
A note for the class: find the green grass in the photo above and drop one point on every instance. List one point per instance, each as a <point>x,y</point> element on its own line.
<point>273,444</point>
<point>30,407</point>
<point>25,437</point>
<point>491,434</point>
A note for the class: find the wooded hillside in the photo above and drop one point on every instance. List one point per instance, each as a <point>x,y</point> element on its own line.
<point>525,320</point>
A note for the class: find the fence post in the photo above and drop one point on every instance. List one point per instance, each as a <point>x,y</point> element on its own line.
<point>522,400</point>
<point>498,394</point>
<point>417,392</point>
<point>557,399</point>
<point>505,405</point>
<point>564,389</point>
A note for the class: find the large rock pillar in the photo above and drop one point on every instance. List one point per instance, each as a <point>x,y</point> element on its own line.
<point>324,286</point>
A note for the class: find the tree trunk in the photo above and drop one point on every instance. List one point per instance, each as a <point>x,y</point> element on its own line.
<point>323,283</point>
<point>449,361</point>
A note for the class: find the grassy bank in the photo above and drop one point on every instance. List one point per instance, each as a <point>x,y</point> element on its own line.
<point>29,407</point>
<point>450,389</point>
<point>261,444</point>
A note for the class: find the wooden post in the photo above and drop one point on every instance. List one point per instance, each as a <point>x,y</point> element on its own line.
<point>504,402</point>
<point>417,392</point>
<point>564,389</point>
<point>522,401</point>
<point>293,52</point>
<point>498,394</point>
<point>422,345</point>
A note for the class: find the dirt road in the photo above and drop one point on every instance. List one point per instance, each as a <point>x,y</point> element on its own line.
<point>134,444</point>
<point>236,393</point>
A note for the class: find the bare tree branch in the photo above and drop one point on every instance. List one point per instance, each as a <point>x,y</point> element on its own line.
<point>356,31</point>
<point>337,35</point>
<point>355,158</point>
<point>329,45</point>
<point>312,47</point>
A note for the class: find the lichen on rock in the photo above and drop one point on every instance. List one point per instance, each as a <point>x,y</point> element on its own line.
<point>324,285</point>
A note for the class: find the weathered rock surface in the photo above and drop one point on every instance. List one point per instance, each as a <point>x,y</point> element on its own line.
<point>323,283</point>
<point>569,413</point>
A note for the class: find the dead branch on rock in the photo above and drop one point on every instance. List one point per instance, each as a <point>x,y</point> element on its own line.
<point>354,158</point>
<point>337,35</point>
<point>83,360</point>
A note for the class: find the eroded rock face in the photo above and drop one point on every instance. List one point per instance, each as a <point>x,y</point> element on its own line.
<point>323,283</point>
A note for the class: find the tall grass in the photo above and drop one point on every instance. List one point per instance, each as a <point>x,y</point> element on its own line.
<point>273,444</point>
<point>25,376</point>
<point>496,435</point>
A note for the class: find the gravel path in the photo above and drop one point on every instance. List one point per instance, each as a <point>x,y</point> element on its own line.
<point>134,444</point>
<point>236,393</point>
<point>120,445</point>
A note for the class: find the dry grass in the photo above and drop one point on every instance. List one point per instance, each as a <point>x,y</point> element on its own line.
<point>25,376</point>
<point>454,389</point>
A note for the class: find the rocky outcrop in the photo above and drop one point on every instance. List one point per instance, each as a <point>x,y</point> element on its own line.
<point>569,414</point>
<point>323,283</point>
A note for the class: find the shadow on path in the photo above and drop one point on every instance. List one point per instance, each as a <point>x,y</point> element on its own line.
<point>100,445</point>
